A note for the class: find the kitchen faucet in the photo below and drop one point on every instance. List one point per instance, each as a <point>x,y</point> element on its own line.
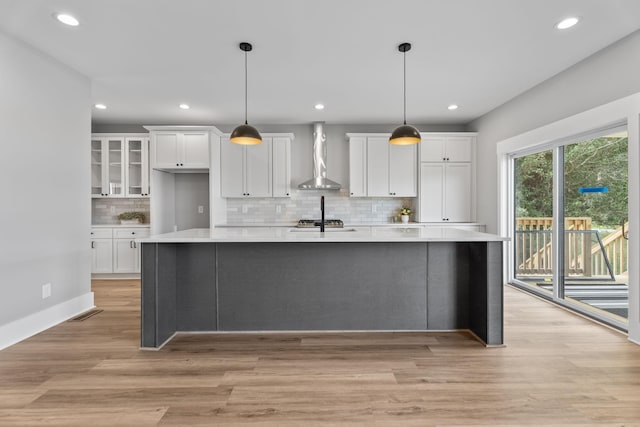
<point>322,209</point>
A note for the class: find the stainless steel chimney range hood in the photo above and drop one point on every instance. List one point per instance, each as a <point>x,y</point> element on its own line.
<point>319,180</point>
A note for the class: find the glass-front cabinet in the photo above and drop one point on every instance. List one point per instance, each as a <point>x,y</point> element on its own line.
<point>107,167</point>
<point>137,173</point>
<point>119,166</point>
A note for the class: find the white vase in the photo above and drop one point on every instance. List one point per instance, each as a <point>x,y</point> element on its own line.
<point>405,219</point>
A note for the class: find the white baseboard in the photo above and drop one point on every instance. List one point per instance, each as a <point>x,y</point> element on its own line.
<point>18,330</point>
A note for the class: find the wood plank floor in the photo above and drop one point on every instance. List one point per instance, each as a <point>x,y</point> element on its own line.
<point>557,370</point>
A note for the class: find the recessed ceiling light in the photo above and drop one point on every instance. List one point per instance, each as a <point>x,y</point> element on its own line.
<point>100,106</point>
<point>184,106</point>
<point>452,107</point>
<point>67,19</point>
<point>319,106</point>
<point>567,23</point>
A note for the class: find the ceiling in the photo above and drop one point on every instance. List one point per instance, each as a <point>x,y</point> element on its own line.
<point>145,57</point>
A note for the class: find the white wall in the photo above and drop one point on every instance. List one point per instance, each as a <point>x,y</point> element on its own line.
<point>45,118</point>
<point>597,91</point>
<point>610,74</point>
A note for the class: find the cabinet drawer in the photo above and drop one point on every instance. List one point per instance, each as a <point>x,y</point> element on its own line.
<point>101,233</point>
<point>123,233</point>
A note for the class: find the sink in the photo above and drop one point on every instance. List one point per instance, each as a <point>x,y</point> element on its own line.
<point>317,230</point>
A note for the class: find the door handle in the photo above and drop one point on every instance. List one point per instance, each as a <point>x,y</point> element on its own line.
<point>93,245</point>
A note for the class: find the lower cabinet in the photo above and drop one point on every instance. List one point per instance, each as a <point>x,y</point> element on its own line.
<point>114,250</point>
<point>101,253</point>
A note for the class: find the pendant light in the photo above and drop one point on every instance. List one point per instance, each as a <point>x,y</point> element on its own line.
<point>405,134</point>
<point>245,134</point>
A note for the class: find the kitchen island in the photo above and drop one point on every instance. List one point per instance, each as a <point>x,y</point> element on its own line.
<point>288,279</point>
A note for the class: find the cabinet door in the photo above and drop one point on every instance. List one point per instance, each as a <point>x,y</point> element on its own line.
<point>115,169</point>
<point>403,177</point>
<point>378,167</point>
<point>459,148</point>
<point>231,169</point>
<point>126,256</point>
<point>258,163</point>
<point>457,192</point>
<point>432,149</point>
<point>281,167</point>
<point>101,256</point>
<point>358,166</point>
<point>195,150</point>
<point>98,170</point>
<point>431,195</point>
<point>165,150</point>
<point>136,175</point>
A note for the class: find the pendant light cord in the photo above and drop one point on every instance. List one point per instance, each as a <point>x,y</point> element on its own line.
<point>404,85</point>
<point>245,87</point>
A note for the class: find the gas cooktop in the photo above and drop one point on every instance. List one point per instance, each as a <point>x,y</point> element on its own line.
<point>328,223</point>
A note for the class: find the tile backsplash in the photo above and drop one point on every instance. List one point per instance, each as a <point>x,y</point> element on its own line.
<point>106,211</point>
<point>306,205</point>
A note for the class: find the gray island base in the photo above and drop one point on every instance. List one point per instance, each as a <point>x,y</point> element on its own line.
<point>215,285</point>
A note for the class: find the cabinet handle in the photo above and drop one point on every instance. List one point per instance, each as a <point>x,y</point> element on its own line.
<point>444,158</point>
<point>133,232</point>
<point>181,164</point>
<point>135,245</point>
<point>287,194</point>
<point>93,245</point>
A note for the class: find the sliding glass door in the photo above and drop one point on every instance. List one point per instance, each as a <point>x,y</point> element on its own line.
<point>533,222</point>
<point>570,224</point>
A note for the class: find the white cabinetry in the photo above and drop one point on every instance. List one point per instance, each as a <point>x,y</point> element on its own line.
<point>107,166</point>
<point>447,191</point>
<point>262,170</point>
<point>441,148</point>
<point>380,169</point>
<point>137,166</point>
<point>119,165</point>
<point>101,250</point>
<point>281,147</point>
<point>114,250</point>
<point>177,150</point>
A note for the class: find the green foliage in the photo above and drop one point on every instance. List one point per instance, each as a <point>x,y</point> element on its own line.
<point>601,162</point>
<point>132,215</point>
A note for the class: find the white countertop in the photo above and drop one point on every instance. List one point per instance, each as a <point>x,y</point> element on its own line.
<point>347,234</point>
<point>119,225</point>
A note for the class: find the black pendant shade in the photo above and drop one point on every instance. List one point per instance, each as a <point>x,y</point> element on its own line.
<point>245,134</point>
<point>405,134</point>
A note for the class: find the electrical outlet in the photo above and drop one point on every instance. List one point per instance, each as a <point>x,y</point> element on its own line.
<point>374,208</point>
<point>113,209</point>
<point>46,290</point>
<point>245,208</point>
<point>278,208</point>
<point>200,209</point>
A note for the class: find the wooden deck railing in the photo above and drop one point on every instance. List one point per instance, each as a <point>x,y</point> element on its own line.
<point>616,247</point>
<point>583,253</point>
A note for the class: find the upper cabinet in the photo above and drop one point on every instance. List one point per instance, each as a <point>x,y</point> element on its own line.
<point>262,170</point>
<point>119,165</point>
<point>137,166</point>
<point>443,148</point>
<point>180,150</point>
<point>380,169</point>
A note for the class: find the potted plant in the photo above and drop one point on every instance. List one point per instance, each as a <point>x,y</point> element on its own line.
<point>131,217</point>
<point>404,214</point>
